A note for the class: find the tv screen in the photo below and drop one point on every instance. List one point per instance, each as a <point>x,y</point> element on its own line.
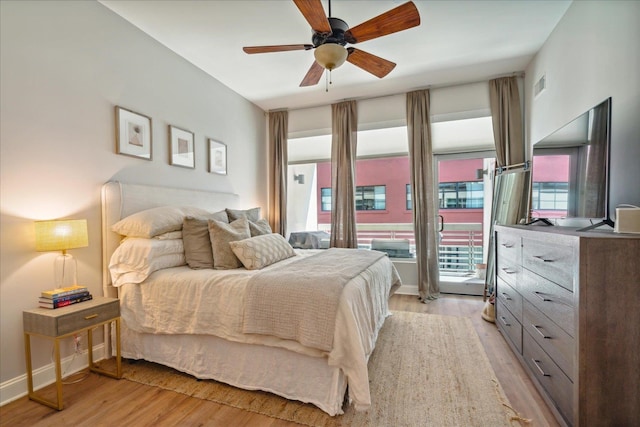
<point>570,170</point>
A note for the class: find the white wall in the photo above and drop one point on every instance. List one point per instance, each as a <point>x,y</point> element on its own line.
<point>65,65</point>
<point>593,54</point>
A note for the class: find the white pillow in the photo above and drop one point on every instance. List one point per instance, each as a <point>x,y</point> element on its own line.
<point>136,258</point>
<point>260,251</point>
<point>152,222</point>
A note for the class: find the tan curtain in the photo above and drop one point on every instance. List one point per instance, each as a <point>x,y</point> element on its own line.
<point>344,125</point>
<point>423,196</point>
<point>507,120</point>
<point>278,129</point>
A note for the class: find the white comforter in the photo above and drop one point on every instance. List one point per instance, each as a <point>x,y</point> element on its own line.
<point>180,300</point>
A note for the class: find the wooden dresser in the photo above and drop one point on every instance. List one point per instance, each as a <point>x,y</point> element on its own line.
<point>568,304</point>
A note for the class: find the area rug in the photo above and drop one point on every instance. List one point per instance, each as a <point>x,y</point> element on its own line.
<point>426,370</point>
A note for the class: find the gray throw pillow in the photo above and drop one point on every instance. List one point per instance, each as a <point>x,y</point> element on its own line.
<point>221,234</point>
<point>251,214</point>
<point>197,243</point>
<point>260,227</point>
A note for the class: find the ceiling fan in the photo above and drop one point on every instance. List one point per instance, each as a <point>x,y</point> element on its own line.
<point>330,36</point>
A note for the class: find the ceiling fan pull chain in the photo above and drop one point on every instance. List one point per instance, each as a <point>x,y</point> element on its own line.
<point>326,80</point>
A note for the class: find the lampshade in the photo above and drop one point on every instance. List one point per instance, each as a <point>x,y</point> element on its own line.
<point>61,235</point>
<point>330,55</point>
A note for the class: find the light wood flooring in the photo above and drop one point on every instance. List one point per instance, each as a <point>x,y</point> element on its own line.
<point>103,401</point>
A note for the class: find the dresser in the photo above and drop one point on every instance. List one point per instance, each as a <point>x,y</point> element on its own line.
<point>568,305</point>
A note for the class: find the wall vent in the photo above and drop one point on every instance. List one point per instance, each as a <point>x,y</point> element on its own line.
<point>540,85</point>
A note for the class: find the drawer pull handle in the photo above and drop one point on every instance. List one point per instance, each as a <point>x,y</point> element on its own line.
<point>508,271</point>
<point>506,296</point>
<point>508,245</point>
<point>543,259</point>
<point>538,330</point>
<point>504,321</point>
<point>536,362</point>
<point>91,316</point>
<point>539,295</point>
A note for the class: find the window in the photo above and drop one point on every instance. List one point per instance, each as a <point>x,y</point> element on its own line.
<point>409,205</point>
<point>368,198</point>
<point>550,196</point>
<point>461,195</point>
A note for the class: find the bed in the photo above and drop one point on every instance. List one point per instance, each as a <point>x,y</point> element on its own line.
<point>227,324</point>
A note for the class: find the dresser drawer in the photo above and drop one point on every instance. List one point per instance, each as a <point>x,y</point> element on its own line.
<point>509,247</point>
<point>61,321</point>
<point>552,300</point>
<point>509,325</point>
<point>550,376</point>
<point>554,341</point>
<point>509,298</point>
<point>553,261</point>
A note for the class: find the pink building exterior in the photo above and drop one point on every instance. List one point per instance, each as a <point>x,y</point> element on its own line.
<point>393,173</point>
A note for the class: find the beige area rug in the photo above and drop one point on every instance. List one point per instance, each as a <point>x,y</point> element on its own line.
<point>426,370</point>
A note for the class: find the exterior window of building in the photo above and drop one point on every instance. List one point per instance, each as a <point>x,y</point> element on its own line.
<point>550,196</point>
<point>461,195</point>
<point>325,199</point>
<point>409,205</point>
<point>368,198</point>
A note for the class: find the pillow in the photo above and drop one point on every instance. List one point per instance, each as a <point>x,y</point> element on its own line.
<point>259,227</point>
<point>170,235</point>
<point>251,214</point>
<point>152,222</point>
<point>260,251</point>
<point>136,258</point>
<point>221,234</point>
<point>197,244</point>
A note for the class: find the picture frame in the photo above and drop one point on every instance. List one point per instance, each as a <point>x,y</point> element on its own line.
<point>181,148</point>
<point>133,134</point>
<point>217,157</point>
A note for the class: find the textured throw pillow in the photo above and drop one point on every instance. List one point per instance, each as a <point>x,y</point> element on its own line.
<point>152,222</point>
<point>197,243</point>
<point>260,251</point>
<point>221,234</point>
<point>251,214</point>
<point>260,227</point>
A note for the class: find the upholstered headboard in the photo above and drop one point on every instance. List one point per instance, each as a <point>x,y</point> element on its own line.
<point>120,200</point>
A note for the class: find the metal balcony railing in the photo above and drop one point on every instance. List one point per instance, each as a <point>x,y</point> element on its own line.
<point>460,247</point>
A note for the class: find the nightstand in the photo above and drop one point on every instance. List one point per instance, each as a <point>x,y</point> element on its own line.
<point>63,323</point>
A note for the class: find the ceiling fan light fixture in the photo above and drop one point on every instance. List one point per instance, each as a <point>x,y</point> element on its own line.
<point>330,55</point>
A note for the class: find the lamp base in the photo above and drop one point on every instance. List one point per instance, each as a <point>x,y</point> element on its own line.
<point>65,270</point>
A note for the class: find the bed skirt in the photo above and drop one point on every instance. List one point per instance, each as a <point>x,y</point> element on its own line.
<point>246,366</point>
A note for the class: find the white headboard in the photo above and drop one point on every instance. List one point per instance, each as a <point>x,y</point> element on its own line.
<point>120,200</point>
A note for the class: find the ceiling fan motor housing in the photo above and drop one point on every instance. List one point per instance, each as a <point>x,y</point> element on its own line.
<point>338,28</point>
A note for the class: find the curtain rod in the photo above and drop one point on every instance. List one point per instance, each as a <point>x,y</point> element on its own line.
<point>443,86</point>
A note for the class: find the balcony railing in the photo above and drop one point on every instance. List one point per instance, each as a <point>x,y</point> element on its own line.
<point>460,243</point>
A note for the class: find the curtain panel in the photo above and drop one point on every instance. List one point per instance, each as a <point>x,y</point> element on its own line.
<point>278,129</point>
<point>344,136</point>
<point>507,120</point>
<point>425,201</point>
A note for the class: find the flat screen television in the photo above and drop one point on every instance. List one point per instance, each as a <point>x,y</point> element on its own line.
<point>570,170</point>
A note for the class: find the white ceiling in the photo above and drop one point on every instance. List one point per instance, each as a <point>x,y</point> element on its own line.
<point>456,42</point>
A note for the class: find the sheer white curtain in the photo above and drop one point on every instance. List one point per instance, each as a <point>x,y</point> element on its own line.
<point>424,197</point>
<point>278,129</point>
<point>344,136</point>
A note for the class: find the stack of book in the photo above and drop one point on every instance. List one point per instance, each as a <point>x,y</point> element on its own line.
<point>61,297</point>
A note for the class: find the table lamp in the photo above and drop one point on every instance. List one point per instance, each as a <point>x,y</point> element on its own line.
<point>61,235</point>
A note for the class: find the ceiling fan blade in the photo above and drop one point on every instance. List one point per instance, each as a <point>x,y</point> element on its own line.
<point>313,12</point>
<point>398,19</point>
<point>313,75</point>
<point>276,48</point>
<point>375,65</point>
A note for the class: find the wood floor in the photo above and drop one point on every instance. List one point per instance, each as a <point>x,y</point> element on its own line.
<point>102,401</point>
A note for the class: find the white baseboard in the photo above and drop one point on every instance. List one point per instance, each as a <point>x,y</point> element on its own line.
<point>407,290</point>
<point>15,388</point>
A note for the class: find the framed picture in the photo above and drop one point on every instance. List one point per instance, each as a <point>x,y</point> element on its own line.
<point>133,134</point>
<point>181,148</point>
<point>217,157</point>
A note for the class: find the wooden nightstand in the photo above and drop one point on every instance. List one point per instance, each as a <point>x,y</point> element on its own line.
<point>65,322</point>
